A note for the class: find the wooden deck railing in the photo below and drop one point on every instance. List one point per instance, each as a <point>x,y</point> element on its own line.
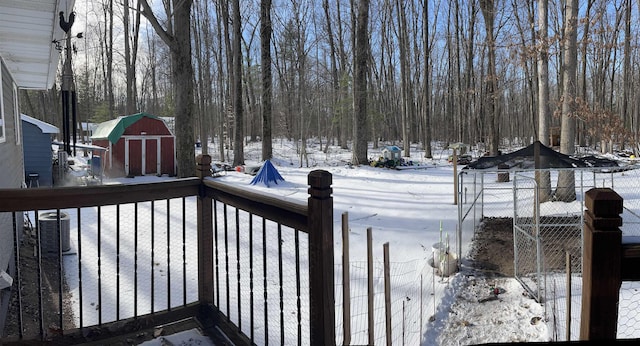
<point>607,262</point>
<point>241,239</point>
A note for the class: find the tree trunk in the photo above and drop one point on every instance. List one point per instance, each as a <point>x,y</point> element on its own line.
<point>199,30</point>
<point>566,180</point>
<point>131,54</point>
<point>404,78</point>
<point>543,178</point>
<point>108,52</point>
<point>361,126</point>
<point>265,60</point>
<point>426,83</point>
<point>238,139</point>
<point>468,94</point>
<point>178,38</point>
<point>335,90</point>
<point>626,69</point>
<point>491,82</point>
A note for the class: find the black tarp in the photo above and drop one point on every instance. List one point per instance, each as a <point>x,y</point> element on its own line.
<point>537,156</point>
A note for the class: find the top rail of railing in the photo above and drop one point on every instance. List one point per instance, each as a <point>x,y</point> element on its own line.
<point>273,208</point>
<point>77,197</point>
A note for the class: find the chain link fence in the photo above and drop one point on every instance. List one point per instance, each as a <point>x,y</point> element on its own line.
<point>548,235</point>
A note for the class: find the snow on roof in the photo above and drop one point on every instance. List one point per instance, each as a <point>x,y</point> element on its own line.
<point>88,126</point>
<point>45,127</point>
<point>81,146</point>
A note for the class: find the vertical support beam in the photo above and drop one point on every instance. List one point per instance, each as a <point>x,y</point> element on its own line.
<point>602,258</point>
<point>346,282</point>
<point>455,176</point>
<point>321,280</point>
<point>568,299</point>
<point>387,293</point>
<point>205,234</point>
<point>370,292</point>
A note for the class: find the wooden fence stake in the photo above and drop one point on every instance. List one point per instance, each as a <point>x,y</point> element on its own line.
<point>387,292</point>
<point>370,285</point>
<point>346,282</point>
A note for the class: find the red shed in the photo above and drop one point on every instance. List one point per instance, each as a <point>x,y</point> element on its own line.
<point>137,144</point>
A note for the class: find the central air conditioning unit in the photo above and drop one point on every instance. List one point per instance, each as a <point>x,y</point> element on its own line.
<point>49,236</point>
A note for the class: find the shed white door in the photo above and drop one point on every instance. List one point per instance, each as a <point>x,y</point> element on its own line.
<point>142,155</point>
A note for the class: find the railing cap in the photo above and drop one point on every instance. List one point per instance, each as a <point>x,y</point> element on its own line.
<point>320,184</point>
<point>203,159</point>
<point>203,166</point>
<point>603,202</point>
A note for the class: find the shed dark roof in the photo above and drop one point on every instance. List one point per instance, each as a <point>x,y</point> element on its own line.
<point>535,156</point>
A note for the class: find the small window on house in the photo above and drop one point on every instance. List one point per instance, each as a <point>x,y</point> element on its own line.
<point>16,116</point>
<point>3,132</point>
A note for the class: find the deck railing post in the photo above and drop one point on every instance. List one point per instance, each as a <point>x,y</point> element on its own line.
<point>602,257</point>
<point>205,234</point>
<point>321,280</point>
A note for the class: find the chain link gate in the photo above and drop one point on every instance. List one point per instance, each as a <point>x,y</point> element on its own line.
<point>527,249</point>
<point>544,234</point>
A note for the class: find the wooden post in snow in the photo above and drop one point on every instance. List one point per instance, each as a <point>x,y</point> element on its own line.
<point>346,282</point>
<point>370,292</point>
<point>321,280</point>
<point>205,235</point>
<point>387,293</point>
<point>602,257</point>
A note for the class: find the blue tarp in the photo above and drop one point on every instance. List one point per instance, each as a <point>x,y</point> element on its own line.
<point>267,174</point>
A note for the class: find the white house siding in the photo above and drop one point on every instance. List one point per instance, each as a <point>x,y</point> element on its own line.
<point>11,174</point>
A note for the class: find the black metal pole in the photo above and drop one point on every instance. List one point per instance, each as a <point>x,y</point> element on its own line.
<point>65,119</point>
<point>74,123</point>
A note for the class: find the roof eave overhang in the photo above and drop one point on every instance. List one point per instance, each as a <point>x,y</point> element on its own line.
<point>28,30</point>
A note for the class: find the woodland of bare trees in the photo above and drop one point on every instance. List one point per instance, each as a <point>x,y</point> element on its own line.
<point>352,72</point>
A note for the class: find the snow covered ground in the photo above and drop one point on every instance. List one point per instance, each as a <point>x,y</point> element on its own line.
<point>410,209</point>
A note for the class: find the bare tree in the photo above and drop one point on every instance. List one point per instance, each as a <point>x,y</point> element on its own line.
<point>361,126</point>
<point>203,44</point>
<point>177,36</point>
<point>342,68</point>
<point>626,67</point>
<point>131,55</point>
<point>566,180</point>
<point>404,77</point>
<point>426,83</point>
<point>333,67</point>
<point>468,94</point>
<point>543,72</point>
<point>543,179</point>
<point>238,138</point>
<point>267,83</point>
<point>491,80</point>
<point>224,65</point>
<point>107,44</point>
